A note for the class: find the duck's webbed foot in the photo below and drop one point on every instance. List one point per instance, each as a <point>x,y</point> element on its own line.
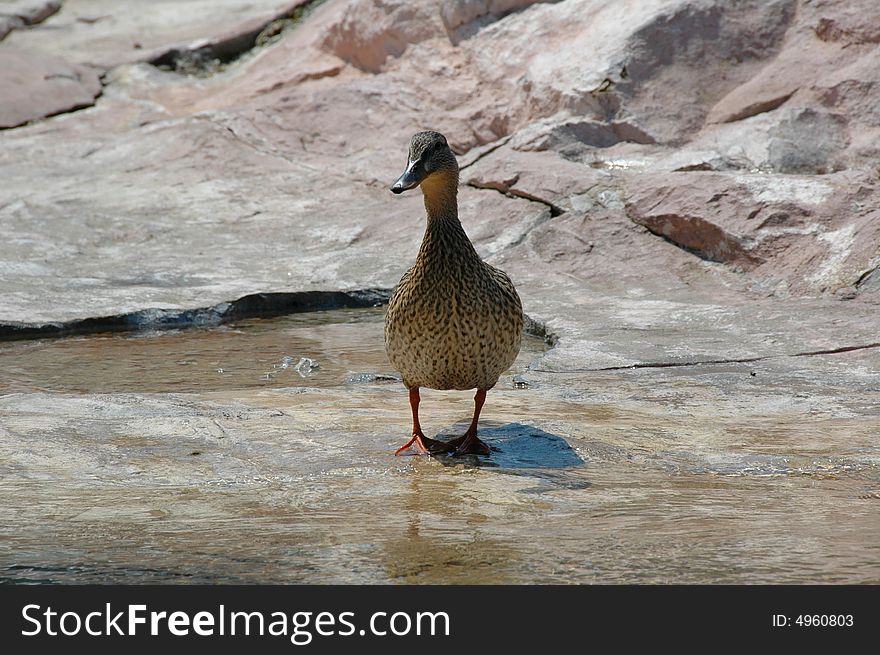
<point>468,444</point>
<point>424,445</point>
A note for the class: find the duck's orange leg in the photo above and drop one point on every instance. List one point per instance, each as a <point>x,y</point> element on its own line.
<point>469,443</point>
<point>424,445</point>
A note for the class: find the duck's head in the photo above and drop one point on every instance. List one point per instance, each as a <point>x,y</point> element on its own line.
<point>430,158</point>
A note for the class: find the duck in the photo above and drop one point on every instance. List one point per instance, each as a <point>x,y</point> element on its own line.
<point>453,321</point>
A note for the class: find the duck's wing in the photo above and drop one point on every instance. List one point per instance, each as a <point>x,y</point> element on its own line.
<point>509,296</point>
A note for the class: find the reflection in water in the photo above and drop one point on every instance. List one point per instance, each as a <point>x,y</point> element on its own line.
<point>443,542</point>
<point>450,535</point>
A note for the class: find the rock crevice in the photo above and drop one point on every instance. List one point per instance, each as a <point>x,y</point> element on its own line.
<point>508,190</point>
<point>711,362</point>
<point>207,58</point>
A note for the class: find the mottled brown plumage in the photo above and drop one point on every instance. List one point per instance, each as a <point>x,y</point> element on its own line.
<point>454,321</point>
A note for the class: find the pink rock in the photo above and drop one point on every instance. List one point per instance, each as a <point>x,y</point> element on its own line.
<point>568,119</point>
<point>370,31</point>
<point>35,85</point>
<point>20,13</point>
<point>812,234</point>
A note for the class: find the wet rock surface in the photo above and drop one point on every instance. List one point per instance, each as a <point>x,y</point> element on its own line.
<point>686,200</point>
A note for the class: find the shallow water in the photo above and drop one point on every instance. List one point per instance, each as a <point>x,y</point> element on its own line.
<point>129,458</point>
<point>346,345</point>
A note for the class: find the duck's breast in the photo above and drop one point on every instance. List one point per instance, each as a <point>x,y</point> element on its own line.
<point>448,333</point>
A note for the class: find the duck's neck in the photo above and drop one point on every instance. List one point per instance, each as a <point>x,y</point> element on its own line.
<point>441,196</point>
<point>444,235</point>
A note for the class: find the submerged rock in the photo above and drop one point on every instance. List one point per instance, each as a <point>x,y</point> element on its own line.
<point>372,378</point>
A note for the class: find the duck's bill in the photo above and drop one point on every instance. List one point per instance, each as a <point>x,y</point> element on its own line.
<point>411,178</point>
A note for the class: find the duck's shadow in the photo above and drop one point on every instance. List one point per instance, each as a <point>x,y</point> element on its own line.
<point>515,446</point>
